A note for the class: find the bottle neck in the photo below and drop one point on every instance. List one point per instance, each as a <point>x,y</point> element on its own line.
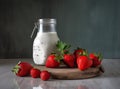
<point>46,28</point>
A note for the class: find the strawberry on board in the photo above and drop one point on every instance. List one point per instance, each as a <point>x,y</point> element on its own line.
<point>84,62</point>
<point>69,59</point>
<point>22,69</point>
<point>44,75</point>
<point>79,51</point>
<point>90,63</point>
<point>97,59</point>
<point>66,57</point>
<point>35,73</point>
<point>53,61</point>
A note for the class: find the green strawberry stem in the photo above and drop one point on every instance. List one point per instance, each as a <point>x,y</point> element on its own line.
<point>62,47</point>
<point>100,56</point>
<point>85,53</point>
<point>58,57</point>
<point>15,69</point>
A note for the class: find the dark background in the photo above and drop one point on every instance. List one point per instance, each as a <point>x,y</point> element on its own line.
<point>90,24</point>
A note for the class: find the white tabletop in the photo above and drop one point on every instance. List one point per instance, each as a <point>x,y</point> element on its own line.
<point>109,80</point>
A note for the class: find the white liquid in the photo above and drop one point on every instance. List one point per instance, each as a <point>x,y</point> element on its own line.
<point>43,45</point>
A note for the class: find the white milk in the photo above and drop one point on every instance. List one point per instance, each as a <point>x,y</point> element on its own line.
<point>44,44</point>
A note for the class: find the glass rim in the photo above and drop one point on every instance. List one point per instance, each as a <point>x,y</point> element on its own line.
<point>47,21</point>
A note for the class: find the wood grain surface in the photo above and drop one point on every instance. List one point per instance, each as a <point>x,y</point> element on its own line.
<point>72,73</point>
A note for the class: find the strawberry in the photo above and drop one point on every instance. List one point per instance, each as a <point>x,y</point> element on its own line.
<point>66,57</point>
<point>84,62</point>
<point>97,58</point>
<point>78,52</point>
<point>53,61</point>
<point>92,55</point>
<point>22,69</point>
<point>90,63</point>
<point>44,75</point>
<point>35,73</point>
<point>69,60</point>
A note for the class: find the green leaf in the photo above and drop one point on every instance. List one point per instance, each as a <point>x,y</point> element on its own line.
<point>100,56</point>
<point>62,47</point>
<point>85,53</point>
<point>67,47</point>
<point>58,57</point>
<point>15,69</point>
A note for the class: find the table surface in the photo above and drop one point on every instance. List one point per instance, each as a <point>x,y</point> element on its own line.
<point>108,80</point>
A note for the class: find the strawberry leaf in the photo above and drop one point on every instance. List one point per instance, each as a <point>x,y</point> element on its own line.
<point>100,56</point>
<point>58,57</point>
<point>85,53</point>
<point>67,47</point>
<point>16,69</point>
<point>62,47</point>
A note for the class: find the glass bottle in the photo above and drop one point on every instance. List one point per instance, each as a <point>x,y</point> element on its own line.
<point>45,41</point>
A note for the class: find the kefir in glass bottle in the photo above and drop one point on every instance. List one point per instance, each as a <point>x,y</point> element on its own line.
<point>45,41</point>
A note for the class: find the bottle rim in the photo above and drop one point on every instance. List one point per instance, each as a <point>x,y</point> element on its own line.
<point>47,21</point>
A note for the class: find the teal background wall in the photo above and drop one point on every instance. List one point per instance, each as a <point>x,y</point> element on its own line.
<point>90,24</point>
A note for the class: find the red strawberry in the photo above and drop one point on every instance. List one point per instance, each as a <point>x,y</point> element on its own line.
<point>45,75</point>
<point>69,60</point>
<point>52,61</point>
<point>90,63</point>
<point>35,73</point>
<point>92,55</point>
<point>22,69</point>
<point>78,52</point>
<point>96,59</point>
<point>82,62</point>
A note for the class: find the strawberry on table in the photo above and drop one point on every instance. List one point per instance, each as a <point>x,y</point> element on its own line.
<point>97,59</point>
<point>22,69</point>
<point>35,73</point>
<point>69,59</point>
<point>44,75</point>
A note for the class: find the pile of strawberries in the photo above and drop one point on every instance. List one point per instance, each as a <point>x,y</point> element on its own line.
<point>25,69</point>
<point>79,58</point>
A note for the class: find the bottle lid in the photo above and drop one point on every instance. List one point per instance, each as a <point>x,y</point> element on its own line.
<point>47,21</point>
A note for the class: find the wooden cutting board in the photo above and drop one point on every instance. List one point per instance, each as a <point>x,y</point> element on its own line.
<point>72,73</point>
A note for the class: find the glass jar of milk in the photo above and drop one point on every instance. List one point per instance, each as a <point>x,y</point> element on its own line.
<point>45,41</point>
